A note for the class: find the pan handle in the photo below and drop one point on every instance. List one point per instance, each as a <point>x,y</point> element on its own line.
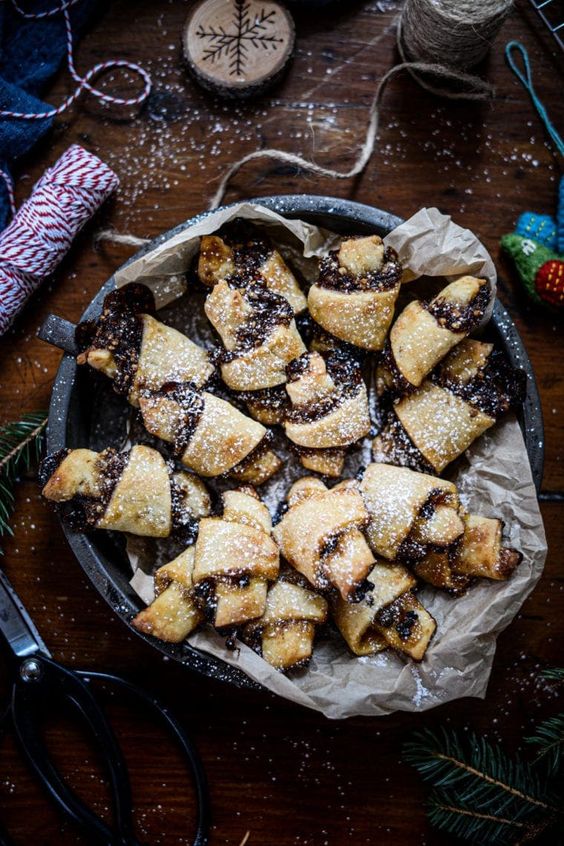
<point>59,332</point>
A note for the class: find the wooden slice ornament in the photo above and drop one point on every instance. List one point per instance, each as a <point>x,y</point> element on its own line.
<point>238,48</point>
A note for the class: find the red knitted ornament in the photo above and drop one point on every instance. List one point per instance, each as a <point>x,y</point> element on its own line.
<point>549,282</point>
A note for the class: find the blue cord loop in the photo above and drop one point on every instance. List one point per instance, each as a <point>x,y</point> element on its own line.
<point>526,80</point>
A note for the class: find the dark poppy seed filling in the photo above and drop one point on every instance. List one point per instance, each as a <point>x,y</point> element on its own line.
<point>192,404</point>
<point>333,275</point>
<point>83,512</point>
<point>400,385</point>
<point>269,310</point>
<point>250,251</point>
<point>184,525</point>
<point>263,446</point>
<point>51,463</point>
<point>393,616</point>
<point>119,329</point>
<point>204,594</point>
<point>411,551</point>
<point>362,593</point>
<point>459,318</point>
<point>494,390</point>
<point>308,452</point>
<point>405,626</point>
<point>345,372</point>
<point>275,399</point>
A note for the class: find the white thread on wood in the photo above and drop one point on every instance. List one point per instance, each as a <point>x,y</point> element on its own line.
<point>459,32</point>
<point>438,39</point>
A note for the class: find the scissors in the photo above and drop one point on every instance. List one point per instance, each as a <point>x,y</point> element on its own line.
<point>39,680</point>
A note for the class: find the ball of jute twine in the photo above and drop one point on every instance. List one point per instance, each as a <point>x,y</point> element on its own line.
<point>438,41</point>
<point>459,32</point>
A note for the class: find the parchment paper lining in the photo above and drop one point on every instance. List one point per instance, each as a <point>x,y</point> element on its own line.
<point>495,481</point>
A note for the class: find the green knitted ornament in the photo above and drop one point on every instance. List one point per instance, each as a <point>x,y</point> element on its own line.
<point>529,257</point>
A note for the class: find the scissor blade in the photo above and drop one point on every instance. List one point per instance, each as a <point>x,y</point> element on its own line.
<point>15,623</point>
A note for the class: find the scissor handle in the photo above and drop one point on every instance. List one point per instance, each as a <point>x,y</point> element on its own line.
<point>178,732</point>
<point>41,680</point>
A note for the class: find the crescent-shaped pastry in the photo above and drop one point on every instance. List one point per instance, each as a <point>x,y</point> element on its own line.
<point>135,350</point>
<point>285,633</point>
<point>472,387</point>
<point>329,409</point>
<point>409,513</point>
<point>241,255</point>
<point>426,331</point>
<point>478,554</point>
<point>320,536</point>
<point>388,615</point>
<point>174,612</point>
<point>259,336</point>
<point>210,436</point>
<point>235,558</point>
<point>356,291</point>
<point>134,491</point>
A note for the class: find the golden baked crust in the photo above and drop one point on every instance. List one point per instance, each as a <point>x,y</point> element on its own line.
<point>135,492</point>
<point>138,352</point>
<point>141,501</point>
<point>478,554</point>
<point>425,332</point>
<point>258,331</point>
<point>79,473</point>
<point>481,552</point>
<point>389,615</point>
<point>319,536</point>
<point>167,355</point>
<point>440,424</point>
<point>407,506</point>
<point>236,557</point>
<point>355,295</point>
<point>329,409</point>
<point>213,436</point>
<point>464,396</point>
<point>285,632</point>
<point>174,613</point>
<point>219,261</point>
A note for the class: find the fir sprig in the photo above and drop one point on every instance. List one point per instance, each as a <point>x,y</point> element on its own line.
<point>554,674</point>
<point>549,740</point>
<point>463,820</point>
<point>20,447</point>
<point>480,793</point>
<point>549,735</point>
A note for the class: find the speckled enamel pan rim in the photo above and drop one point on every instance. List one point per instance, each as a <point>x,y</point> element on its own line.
<point>332,213</point>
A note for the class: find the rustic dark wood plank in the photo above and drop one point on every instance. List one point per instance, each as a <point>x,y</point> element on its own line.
<point>287,775</point>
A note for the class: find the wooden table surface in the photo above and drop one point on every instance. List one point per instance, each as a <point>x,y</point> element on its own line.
<point>288,776</point>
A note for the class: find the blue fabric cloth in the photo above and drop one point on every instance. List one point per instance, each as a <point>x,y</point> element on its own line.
<point>31,52</point>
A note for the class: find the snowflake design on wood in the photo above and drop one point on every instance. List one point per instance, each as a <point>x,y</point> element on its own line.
<point>249,32</point>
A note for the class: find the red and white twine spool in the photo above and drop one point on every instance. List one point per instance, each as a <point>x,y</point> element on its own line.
<point>40,234</point>
<point>67,195</point>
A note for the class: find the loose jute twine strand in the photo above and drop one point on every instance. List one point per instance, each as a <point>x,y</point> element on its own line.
<point>458,32</point>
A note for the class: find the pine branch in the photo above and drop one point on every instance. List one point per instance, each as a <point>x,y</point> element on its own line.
<point>482,774</point>
<point>554,673</point>
<point>450,813</point>
<point>20,447</point>
<point>549,739</point>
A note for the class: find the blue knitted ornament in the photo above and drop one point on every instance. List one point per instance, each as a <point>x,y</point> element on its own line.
<point>540,227</point>
<point>560,218</point>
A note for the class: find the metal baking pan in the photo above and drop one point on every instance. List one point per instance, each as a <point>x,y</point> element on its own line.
<point>78,394</point>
